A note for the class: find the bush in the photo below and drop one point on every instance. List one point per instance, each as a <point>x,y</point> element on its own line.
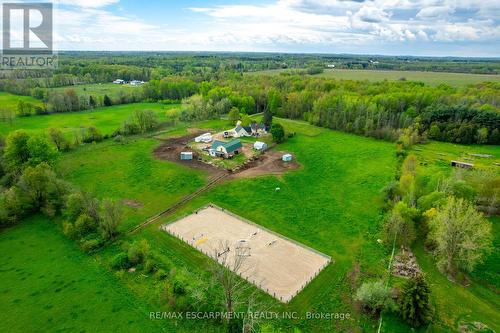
<point>90,244</point>
<point>161,274</point>
<point>84,225</point>
<point>375,297</point>
<point>150,266</point>
<point>120,261</point>
<point>138,252</point>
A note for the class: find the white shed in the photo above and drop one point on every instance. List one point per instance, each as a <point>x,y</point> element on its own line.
<point>261,146</point>
<point>206,138</point>
<point>186,156</point>
<point>287,157</point>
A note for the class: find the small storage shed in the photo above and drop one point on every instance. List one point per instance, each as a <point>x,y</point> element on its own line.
<point>261,146</point>
<point>463,165</point>
<point>186,156</point>
<point>287,157</point>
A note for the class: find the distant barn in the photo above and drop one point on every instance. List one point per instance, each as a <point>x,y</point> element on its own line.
<point>458,164</point>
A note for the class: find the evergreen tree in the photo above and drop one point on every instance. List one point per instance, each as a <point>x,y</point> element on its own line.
<point>415,302</point>
<point>107,101</point>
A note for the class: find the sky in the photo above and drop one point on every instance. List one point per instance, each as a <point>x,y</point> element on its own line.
<point>387,27</point>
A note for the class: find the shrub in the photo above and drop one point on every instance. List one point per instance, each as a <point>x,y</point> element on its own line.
<point>84,225</point>
<point>138,252</point>
<point>90,244</point>
<point>150,266</point>
<point>120,261</point>
<point>161,274</point>
<point>375,297</point>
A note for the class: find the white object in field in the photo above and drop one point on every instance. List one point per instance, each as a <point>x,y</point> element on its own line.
<point>278,189</point>
<point>211,152</point>
<point>206,138</point>
<point>287,158</point>
<point>260,146</point>
<point>186,156</point>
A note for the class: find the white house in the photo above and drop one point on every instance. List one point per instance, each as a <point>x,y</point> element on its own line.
<point>205,138</point>
<point>241,131</point>
<point>261,146</point>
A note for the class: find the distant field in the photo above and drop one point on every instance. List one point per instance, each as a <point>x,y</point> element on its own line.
<point>49,285</point>
<point>10,101</point>
<point>107,120</point>
<point>100,89</point>
<point>432,78</point>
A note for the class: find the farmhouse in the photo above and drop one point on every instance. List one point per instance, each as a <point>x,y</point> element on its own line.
<point>258,129</point>
<point>227,149</point>
<point>241,131</point>
<point>463,165</point>
<point>260,146</point>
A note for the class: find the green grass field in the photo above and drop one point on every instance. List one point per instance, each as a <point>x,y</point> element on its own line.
<point>49,285</point>
<point>10,102</point>
<point>100,89</point>
<point>432,78</point>
<point>130,172</point>
<point>107,120</point>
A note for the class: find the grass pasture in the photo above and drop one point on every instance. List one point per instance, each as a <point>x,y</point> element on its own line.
<point>10,102</point>
<point>106,119</point>
<point>431,78</point>
<point>49,285</point>
<point>130,173</point>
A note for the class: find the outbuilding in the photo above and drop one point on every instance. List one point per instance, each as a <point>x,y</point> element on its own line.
<point>186,156</point>
<point>260,146</point>
<point>287,158</point>
<point>205,138</point>
<point>462,165</point>
<point>227,149</point>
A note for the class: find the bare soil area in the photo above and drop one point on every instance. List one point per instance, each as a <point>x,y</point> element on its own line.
<point>269,163</point>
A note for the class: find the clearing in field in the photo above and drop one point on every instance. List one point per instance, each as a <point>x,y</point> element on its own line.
<point>279,266</point>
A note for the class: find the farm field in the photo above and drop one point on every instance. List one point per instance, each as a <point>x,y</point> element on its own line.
<point>75,295</point>
<point>431,78</point>
<point>106,119</point>
<point>99,90</point>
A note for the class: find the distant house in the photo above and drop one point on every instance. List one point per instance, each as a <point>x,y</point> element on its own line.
<point>227,149</point>
<point>260,146</point>
<point>206,138</point>
<point>186,156</point>
<point>136,82</point>
<point>229,134</point>
<point>119,81</point>
<point>463,165</point>
<point>287,158</point>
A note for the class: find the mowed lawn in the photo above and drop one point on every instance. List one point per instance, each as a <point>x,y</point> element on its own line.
<point>49,285</point>
<point>432,78</point>
<point>106,119</point>
<point>331,204</point>
<point>130,172</point>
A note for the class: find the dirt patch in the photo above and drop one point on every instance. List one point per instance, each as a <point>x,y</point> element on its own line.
<point>132,203</point>
<point>170,149</point>
<point>268,164</point>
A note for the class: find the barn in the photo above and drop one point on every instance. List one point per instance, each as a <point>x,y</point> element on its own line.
<point>227,149</point>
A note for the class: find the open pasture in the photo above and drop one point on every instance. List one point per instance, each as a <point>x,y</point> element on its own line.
<point>100,89</point>
<point>106,119</point>
<point>277,265</point>
<point>431,78</point>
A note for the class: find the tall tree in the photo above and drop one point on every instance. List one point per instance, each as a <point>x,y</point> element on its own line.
<point>461,234</point>
<point>415,301</point>
<point>112,214</point>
